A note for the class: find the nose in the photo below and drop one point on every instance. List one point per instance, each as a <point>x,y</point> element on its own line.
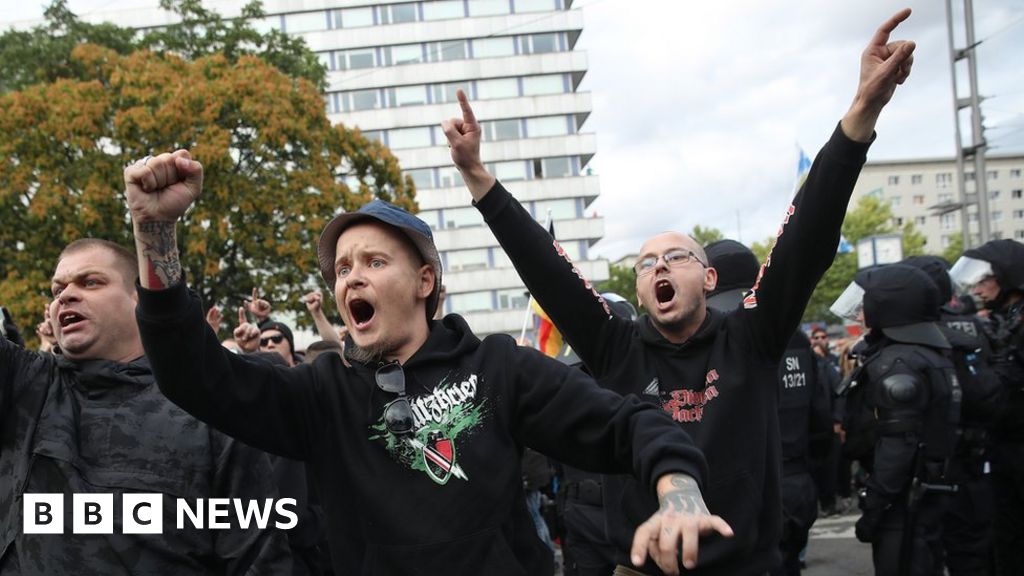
<point>68,295</point>
<point>355,277</point>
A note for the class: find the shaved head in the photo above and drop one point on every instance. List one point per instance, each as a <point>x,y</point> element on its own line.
<point>682,240</point>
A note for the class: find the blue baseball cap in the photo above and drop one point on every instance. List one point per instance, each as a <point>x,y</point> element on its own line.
<point>381,211</point>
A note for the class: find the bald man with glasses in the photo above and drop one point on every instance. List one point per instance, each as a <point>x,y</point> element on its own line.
<point>714,373</point>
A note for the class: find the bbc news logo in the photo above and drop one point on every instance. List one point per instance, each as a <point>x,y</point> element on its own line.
<point>143,513</point>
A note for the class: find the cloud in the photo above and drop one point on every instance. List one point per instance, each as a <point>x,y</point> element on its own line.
<point>698,108</point>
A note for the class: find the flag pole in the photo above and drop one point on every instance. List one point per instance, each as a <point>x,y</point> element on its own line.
<point>529,312</point>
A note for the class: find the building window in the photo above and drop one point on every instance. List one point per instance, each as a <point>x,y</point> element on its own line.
<point>443,9</point>
<point>947,221</point>
<point>547,126</point>
<point>499,88</point>
<point>535,5</point>
<point>539,43</point>
<point>356,59</point>
<point>471,302</point>
<point>508,171</point>
<point>1015,173</point>
<point>447,92</point>
<point>1018,234</point>
<point>1018,214</point>
<point>431,217</point>
<point>972,217</point>
<point>918,199</point>
<point>943,180</point>
<point>558,167</point>
<point>494,47</point>
<point>894,201</point>
<point>462,217</point>
<point>920,220</point>
<point>1016,194</point>
<point>398,13</point>
<point>997,215</point>
<point>548,84</point>
<point>305,22</point>
<point>915,179</point>
<point>993,174</point>
<point>997,235</point>
<point>894,180</point>
<point>993,194</point>
<point>514,299</point>
<point>407,96</point>
<point>422,178</point>
<point>358,100</point>
<point>449,177</point>
<point>325,59</point>
<point>446,51</point>
<point>409,138</point>
<point>488,7</point>
<point>502,130</point>
<point>898,221</point>
<point>946,241</point>
<point>561,209</point>
<point>464,260</point>
<point>945,197</point>
<point>968,176</point>
<point>405,54</point>
<point>353,17</point>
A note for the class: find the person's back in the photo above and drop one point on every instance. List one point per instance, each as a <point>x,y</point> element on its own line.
<point>903,409</point>
<point>92,420</point>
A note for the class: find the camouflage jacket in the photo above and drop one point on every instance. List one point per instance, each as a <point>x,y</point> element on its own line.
<point>103,427</point>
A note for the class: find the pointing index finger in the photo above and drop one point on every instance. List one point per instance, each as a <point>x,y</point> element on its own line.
<point>241,316</point>
<point>467,111</point>
<point>881,37</point>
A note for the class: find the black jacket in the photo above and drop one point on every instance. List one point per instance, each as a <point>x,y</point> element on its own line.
<point>98,426</point>
<point>720,385</point>
<point>448,500</point>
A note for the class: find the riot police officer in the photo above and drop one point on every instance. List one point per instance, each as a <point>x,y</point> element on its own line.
<point>805,420</point>
<point>994,272</point>
<point>967,527</point>
<point>903,406</point>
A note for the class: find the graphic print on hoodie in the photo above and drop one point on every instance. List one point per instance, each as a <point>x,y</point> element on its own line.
<point>442,419</point>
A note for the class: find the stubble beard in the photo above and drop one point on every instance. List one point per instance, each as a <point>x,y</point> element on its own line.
<point>370,354</point>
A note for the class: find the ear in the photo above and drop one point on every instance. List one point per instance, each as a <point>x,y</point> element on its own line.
<point>426,281</point>
<point>710,279</point>
<point>639,299</point>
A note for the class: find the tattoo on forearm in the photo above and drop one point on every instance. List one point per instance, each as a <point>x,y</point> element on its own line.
<point>159,249</point>
<point>684,497</point>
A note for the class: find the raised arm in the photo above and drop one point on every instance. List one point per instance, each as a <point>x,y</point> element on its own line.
<point>314,303</point>
<point>809,234</point>
<point>267,407</point>
<point>561,290</point>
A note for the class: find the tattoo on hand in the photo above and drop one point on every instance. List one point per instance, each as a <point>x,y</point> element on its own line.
<point>160,249</point>
<point>683,498</point>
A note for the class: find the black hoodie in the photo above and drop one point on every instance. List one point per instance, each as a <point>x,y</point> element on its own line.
<point>71,427</point>
<point>448,500</point>
<point>720,385</point>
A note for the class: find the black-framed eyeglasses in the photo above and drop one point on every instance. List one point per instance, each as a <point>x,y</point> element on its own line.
<point>673,258</point>
<point>390,378</point>
<point>276,339</point>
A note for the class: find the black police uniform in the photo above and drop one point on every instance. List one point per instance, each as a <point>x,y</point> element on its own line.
<point>1006,335</point>
<point>903,407</point>
<point>967,526</point>
<point>805,424</point>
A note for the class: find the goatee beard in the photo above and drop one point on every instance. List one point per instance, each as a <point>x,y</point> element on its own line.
<point>370,354</point>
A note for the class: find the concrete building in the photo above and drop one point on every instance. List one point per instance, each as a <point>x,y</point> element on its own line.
<point>393,70</point>
<point>924,193</point>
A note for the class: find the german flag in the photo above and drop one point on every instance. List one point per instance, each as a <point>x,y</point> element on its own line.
<point>549,339</point>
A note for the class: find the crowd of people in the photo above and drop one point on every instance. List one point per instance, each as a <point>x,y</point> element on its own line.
<point>701,436</point>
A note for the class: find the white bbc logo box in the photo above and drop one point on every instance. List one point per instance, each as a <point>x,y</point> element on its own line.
<point>92,514</point>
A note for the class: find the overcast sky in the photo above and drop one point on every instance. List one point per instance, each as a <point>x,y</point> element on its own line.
<point>699,107</point>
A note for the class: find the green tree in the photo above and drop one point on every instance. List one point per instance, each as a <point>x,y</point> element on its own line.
<point>276,170</point>
<point>705,236</point>
<point>955,249</point>
<point>622,281</point>
<point>869,217</point>
<point>762,249</point>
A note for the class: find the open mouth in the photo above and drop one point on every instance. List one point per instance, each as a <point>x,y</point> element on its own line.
<point>69,319</point>
<point>361,311</point>
<point>664,291</point>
